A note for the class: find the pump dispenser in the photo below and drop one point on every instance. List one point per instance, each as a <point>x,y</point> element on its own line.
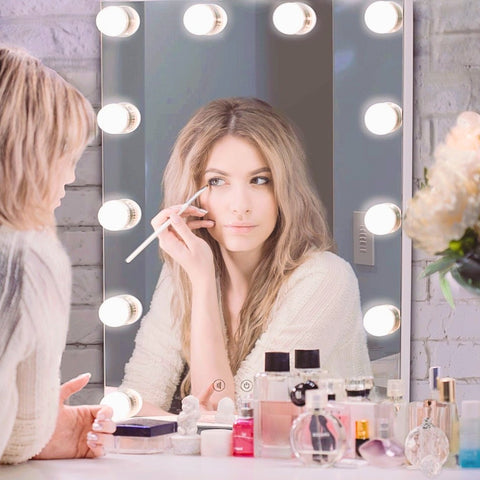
<point>399,427</point>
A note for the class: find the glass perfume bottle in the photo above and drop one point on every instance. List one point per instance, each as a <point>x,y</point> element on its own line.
<point>273,412</point>
<point>242,432</point>
<point>416,410</point>
<point>469,456</point>
<point>362,435</point>
<point>448,419</point>
<point>426,446</point>
<point>399,421</point>
<point>317,437</point>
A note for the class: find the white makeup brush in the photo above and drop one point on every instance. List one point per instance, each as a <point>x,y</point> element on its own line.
<point>163,226</point>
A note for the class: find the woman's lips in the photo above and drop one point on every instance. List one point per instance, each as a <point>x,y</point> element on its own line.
<point>234,228</point>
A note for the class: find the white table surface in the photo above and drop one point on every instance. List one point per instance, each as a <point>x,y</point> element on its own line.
<point>163,466</point>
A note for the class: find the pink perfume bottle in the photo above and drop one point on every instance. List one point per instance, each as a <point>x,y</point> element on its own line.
<point>242,432</point>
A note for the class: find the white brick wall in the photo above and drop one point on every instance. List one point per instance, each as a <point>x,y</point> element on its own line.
<point>447,81</point>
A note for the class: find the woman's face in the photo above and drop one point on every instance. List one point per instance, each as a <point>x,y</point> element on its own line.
<point>240,199</point>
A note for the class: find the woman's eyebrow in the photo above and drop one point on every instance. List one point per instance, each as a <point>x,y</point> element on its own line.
<point>226,174</point>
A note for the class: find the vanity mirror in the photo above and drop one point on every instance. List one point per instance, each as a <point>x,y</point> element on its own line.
<point>324,74</point>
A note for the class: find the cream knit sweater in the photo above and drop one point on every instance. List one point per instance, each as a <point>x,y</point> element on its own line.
<point>35,284</point>
<point>318,307</point>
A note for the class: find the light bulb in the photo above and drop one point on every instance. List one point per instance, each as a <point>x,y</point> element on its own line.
<point>205,19</point>
<point>125,403</point>
<point>384,17</point>
<point>120,310</point>
<point>383,218</point>
<point>294,18</point>
<point>116,21</point>
<point>118,118</point>
<point>381,320</point>
<point>383,118</point>
<point>119,214</point>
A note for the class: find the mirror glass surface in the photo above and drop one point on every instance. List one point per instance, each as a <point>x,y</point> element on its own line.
<point>323,81</point>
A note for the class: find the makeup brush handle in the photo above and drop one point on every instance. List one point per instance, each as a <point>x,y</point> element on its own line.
<point>148,240</point>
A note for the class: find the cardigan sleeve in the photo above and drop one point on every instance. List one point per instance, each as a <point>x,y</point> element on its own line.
<point>156,364</point>
<point>318,307</point>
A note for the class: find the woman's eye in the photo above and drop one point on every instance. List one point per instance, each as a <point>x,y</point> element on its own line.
<point>215,182</point>
<point>260,180</point>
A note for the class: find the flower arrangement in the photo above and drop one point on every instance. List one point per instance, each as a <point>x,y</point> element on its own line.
<point>443,217</point>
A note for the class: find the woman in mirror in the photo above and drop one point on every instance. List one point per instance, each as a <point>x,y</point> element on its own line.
<point>45,124</point>
<point>248,270</point>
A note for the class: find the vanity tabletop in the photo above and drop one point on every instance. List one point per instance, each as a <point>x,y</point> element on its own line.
<point>162,466</point>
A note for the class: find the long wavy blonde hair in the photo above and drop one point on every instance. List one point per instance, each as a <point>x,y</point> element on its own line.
<point>301,225</point>
<point>45,123</point>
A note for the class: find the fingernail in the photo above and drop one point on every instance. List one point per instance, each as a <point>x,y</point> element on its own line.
<point>202,210</point>
<point>87,374</point>
<point>92,437</point>
<point>211,222</point>
<point>96,426</point>
<point>175,219</point>
<point>100,416</point>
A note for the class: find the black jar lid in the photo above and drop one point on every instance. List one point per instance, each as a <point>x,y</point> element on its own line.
<point>277,362</point>
<point>307,358</point>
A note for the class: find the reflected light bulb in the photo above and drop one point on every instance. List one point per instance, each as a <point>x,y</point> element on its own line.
<point>381,320</point>
<point>205,19</point>
<point>118,118</point>
<point>384,17</point>
<point>294,18</point>
<point>118,215</point>
<point>125,403</point>
<point>383,218</point>
<point>120,310</point>
<point>383,118</point>
<point>116,21</point>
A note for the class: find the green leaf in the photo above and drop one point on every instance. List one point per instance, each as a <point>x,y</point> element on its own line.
<point>445,286</point>
<point>443,264</point>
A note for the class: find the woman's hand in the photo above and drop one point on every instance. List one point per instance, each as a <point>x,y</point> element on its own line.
<point>186,248</point>
<point>80,432</point>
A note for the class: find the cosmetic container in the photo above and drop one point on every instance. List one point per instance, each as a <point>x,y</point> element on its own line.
<point>273,411</point>
<point>216,443</point>
<point>383,450</point>
<point>317,437</point>
<point>469,456</point>
<point>399,419</point>
<point>448,419</point>
<point>426,446</point>
<point>242,432</point>
<point>361,435</point>
<point>142,436</point>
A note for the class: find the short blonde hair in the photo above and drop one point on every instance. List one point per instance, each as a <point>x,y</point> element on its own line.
<point>45,124</point>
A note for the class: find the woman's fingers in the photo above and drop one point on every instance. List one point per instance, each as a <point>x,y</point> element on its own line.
<point>98,443</point>
<point>165,214</point>
<point>196,224</point>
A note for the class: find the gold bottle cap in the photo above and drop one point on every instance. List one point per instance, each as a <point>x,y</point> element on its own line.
<point>446,389</point>
<point>361,429</point>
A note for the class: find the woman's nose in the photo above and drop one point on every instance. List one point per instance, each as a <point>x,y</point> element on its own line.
<point>240,201</point>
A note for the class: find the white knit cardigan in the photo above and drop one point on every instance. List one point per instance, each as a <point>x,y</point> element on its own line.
<point>35,284</point>
<point>318,307</point>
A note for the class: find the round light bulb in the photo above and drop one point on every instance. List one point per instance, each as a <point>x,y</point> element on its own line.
<point>120,310</point>
<point>125,403</point>
<point>384,17</point>
<point>118,215</point>
<point>383,118</point>
<point>118,118</point>
<point>381,320</point>
<point>383,218</point>
<point>205,19</point>
<point>294,18</point>
<point>116,21</point>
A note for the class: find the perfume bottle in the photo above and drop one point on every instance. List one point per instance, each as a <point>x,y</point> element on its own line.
<point>362,434</point>
<point>416,410</point>
<point>242,432</point>
<point>383,450</point>
<point>426,446</point>
<point>469,456</point>
<point>317,437</point>
<point>448,419</point>
<point>273,412</point>
<point>399,422</point>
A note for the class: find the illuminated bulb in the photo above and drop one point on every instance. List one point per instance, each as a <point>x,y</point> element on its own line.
<point>383,218</point>
<point>294,18</point>
<point>118,118</point>
<point>384,17</point>
<point>381,320</point>
<point>120,310</point>
<point>125,403</point>
<point>383,118</point>
<point>119,214</point>
<point>205,19</point>
<point>118,21</point>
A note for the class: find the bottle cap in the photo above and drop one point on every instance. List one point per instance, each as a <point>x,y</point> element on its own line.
<point>433,374</point>
<point>246,410</point>
<point>395,388</point>
<point>470,409</point>
<point>277,362</point>
<point>315,399</point>
<point>355,387</point>
<point>446,389</point>
<point>361,429</point>
<point>307,358</point>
